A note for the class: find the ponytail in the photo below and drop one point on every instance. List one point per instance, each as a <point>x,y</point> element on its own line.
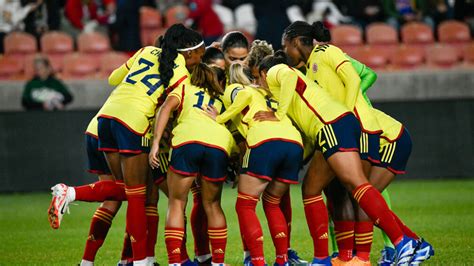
<point>176,37</point>
<point>258,51</point>
<point>307,33</point>
<point>321,33</point>
<point>204,77</point>
<point>241,74</point>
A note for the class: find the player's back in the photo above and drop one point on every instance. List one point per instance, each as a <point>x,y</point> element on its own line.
<point>193,125</point>
<point>391,128</point>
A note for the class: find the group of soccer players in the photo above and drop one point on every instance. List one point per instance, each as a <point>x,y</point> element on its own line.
<point>182,115</point>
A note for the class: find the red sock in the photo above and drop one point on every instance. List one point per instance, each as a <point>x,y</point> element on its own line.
<point>374,206</point>
<point>174,240</point>
<point>100,191</point>
<point>127,253</point>
<point>317,219</point>
<point>278,226</point>
<point>363,239</point>
<point>100,225</point>
<point>152,220</point>
<point>218,239</point>
<point>136,220</point>
<point>285,206</point>
<point>199,225</point>
<point>250,227</point>
<point>405,229</point>
<point>345,238</point>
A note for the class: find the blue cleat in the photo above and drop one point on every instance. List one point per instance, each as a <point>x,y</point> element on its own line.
<point>321,262</point>
<point>335,255</point>
<point>248,261</point>
<point>284,264</point>
<point>388,257</point>
<point>423,252</point>
<point>294,259</point>
<point>405,251</point>
<point>188,262</point>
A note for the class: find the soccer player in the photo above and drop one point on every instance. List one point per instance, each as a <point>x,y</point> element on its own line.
<point>272,162</point>
<point>200,146</point>
<point>336,132</point>
<point>214,57</point>
<point>258,50</point>
<point>235,47</point>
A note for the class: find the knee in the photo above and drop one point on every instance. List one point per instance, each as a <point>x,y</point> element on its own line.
<point>112,206</point>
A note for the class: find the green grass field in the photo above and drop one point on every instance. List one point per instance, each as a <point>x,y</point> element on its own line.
<point>440,211</point>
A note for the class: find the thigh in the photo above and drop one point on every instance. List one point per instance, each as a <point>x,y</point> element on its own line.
<point>211,191</point>
<point>381,177</point>
<point>135,169</point>
<point>348,168</point>
<point>277,188</point>
<point>251,185</point>
<point>114,164</point>
<point>318,176</point>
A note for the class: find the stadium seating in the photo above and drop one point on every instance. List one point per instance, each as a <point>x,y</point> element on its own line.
<point>417,33</point>
<point>468,54</point>
<point>10,67</point>
<point>347,37</point>
<point>150,24</point>
<point>407,57</point>
<point>93,43</point>
<point>442,55</point>
<point>176,14</point>
<point>383,37</point>
<point>371,56</point>
<point>453,31</point>
<point>110,62</point>
<point>20,44</point>
<point>78,66</point>
<point>56,45</point>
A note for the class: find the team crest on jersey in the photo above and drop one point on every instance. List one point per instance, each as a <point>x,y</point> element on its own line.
<point>315,68</point>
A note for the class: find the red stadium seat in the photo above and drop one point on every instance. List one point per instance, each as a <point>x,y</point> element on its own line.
<point>93,43</point>
<point>417,33</point>
<point>149,36</point>
<point>150,25</point>
<point>406,57</point>
<point>56,42</point>
<point>10,68</point>
<point>78,66</point>
<point>453,31</point>
<point>111,61</point>
<point>20,43</point>
<point>442,55</point>
<point>468,54</point>
<point>372,57</point>
<point>176,14</point>
<point>347,37</point>
<point>383,37</point>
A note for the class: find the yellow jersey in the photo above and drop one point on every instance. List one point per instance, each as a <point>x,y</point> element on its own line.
<point>92,127</point>
<point>136,98</point>
<point>331,69</point>
<point>391,128</point>
<point>245,102</point>
<point>193,125</point>
<point>307,104</point>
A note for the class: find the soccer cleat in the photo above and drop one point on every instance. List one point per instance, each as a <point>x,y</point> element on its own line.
<point>248,261</point>
<point>423,252</point>
<point>405,251</point>
<point>59,205</point>
<point>284,264</point>
<point>321,262</point>
<point>188,262</point>
<point>204,263</point>
<point>356,261</point>
<point>338,262</point>
<point>335,255</point>
<point>388,257</point>
<point>294,259</point>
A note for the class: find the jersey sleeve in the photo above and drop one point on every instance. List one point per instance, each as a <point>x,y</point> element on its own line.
<point>118,74</point>
<point>346,72</point>
<point>240,98</point>
<point>287,79</point>
<point>178,93</point>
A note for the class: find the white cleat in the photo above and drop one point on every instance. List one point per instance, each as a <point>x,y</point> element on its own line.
<point>59,205</point>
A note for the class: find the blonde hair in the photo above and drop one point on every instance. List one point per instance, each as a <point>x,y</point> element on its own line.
<point>241,74</point>
<point>258,51</point>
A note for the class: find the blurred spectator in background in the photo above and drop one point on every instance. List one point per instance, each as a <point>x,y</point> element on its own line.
<point>127,26</point>
<point>205,20</point>
<point>464,11</point>
<point>362,12</point>
<point>272,20</point>
<point>12,14</point>
<point>399,12</point>
<point>327,12</point>
<point>431,12</point>
<point>46,17</point>
<point>86,15</point>
<point>44,91</point>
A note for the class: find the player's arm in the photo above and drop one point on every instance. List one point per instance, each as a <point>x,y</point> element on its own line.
<point>118,74</point>
<point>346,72</point>
<point>171,104</point>
<point>241,98</point>
<point>288,79</point>
<point>366,74</point>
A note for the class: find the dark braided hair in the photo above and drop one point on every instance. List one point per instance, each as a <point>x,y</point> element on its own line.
<point>307,33</point>
<point>176,37</point>
<point>234,39</point>
<point>211,55</point>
